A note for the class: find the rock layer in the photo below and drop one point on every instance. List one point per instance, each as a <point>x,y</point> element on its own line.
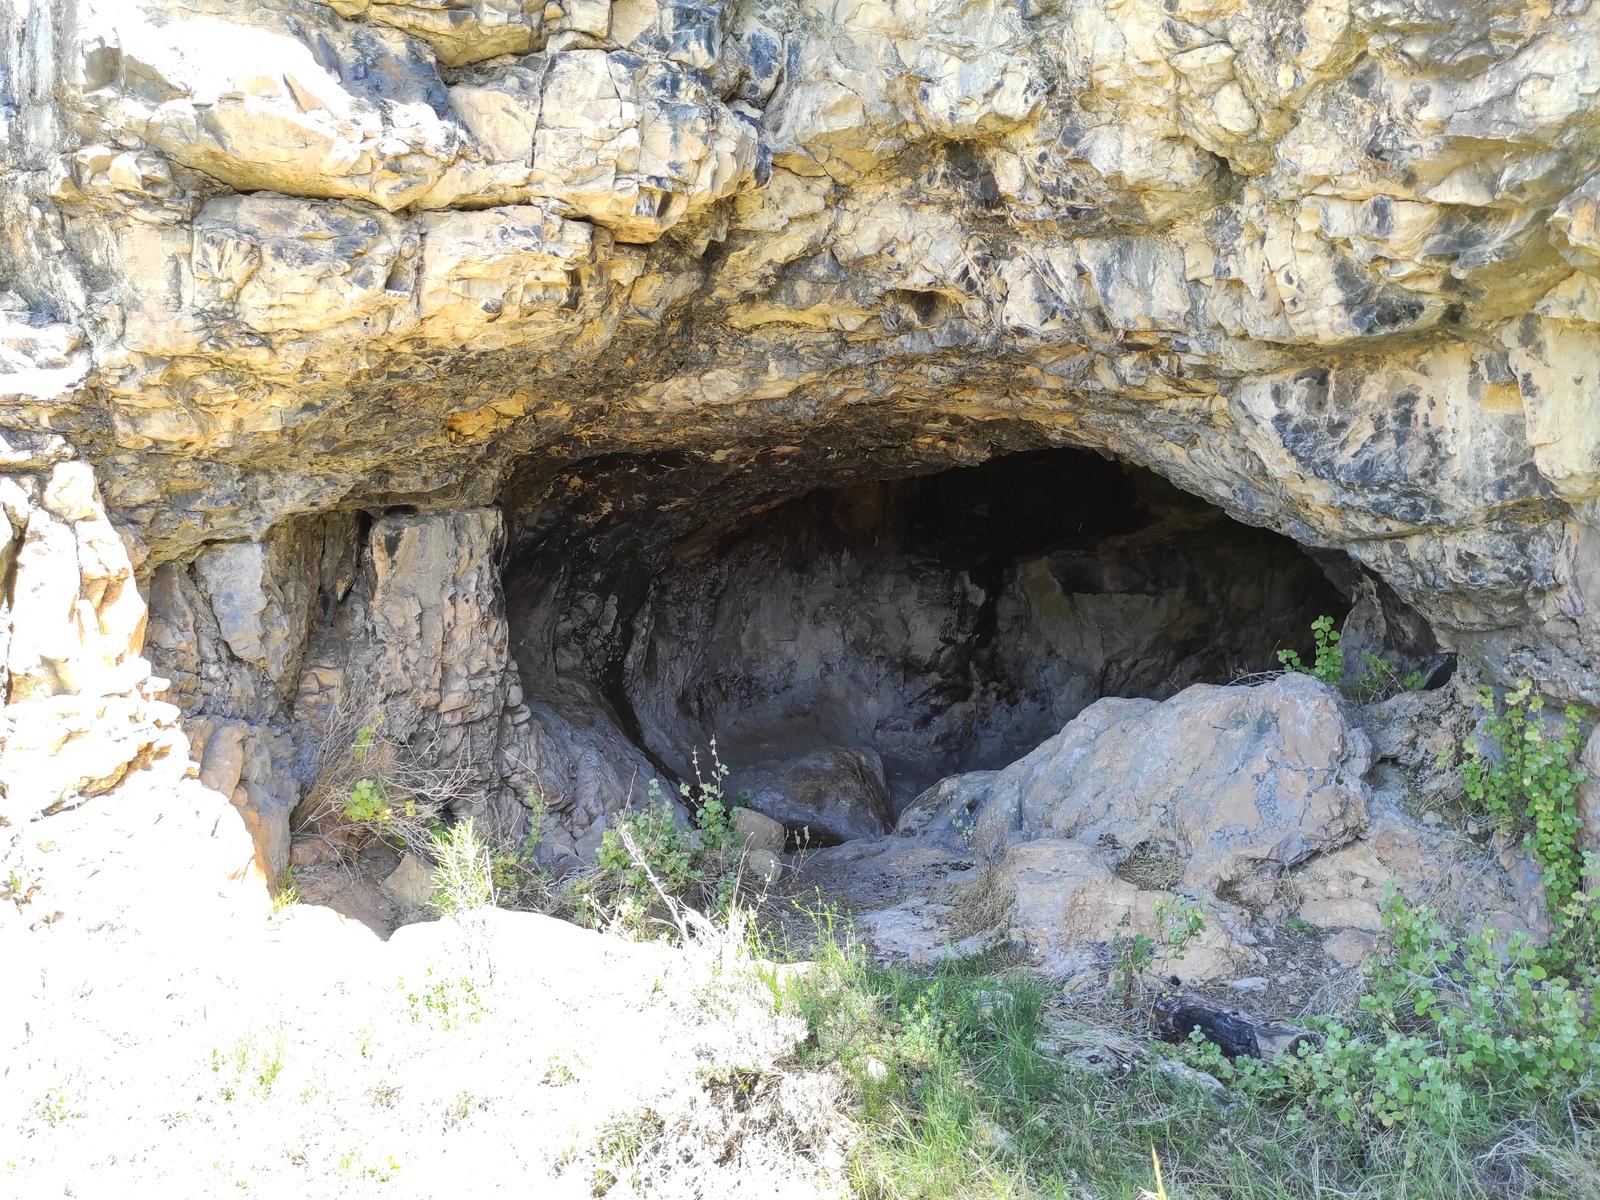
<point>275,269</point>
<point>104,822</point>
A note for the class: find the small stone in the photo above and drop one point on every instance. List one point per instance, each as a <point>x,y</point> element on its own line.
<point>991,1134</point>
<point>410,885</point>
<point>1177,1070</point>
<point>308,853</point>
<point>757,831</point>
<point>1350,947</point>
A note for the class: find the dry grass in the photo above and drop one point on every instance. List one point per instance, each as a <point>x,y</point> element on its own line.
<point>379,775</point>
<point>983,906</point>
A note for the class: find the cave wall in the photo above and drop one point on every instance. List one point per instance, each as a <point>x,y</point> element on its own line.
<point>1330,267</point>
<point>936,624</point>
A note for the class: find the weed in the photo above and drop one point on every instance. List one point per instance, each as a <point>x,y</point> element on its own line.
<point>621,1142</point>
<point>287,892</point>
<point>1161,1187</point>
<point>377,779</point>
<point>519,882</point>
<point>1327,660</point>
<point>249,1065</point>
<point>19,890</point>
<point>1303,928</point>
<point>383,1170</point>
<point>54,1108</point>
<point>1179,922</point>
<point>1530,785</point>
<point>458,1110</point>
<point>447,1002</point>
<point>649,853</point>
<point>1381,679</point>
<point>559,1070</point>
<point>463,871</point>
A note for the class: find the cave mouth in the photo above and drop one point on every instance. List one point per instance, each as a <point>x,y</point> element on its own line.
<point>849,647</point>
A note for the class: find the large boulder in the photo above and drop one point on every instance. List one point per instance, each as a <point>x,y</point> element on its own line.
<point>1251,804</point>
<point>829,795</point>
<point>1218,790</point>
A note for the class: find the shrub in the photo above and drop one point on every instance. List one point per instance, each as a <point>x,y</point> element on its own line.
<point>373,783</point>
<point>463,879</point>
<point>1449,1032</point>
<point>519,882</point>
<point>649,852</point>
<point>1530,785</point>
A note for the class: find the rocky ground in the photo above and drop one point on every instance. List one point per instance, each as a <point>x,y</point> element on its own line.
<point>305,1052</point>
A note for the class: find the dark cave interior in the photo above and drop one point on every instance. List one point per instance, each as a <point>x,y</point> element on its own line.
<point>878,636</point>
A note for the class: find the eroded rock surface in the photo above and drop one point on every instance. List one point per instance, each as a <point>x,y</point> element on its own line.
<point>283,271</point>
<point>1253,803</point>
<point>105,822</point>
<point>1227,785</point>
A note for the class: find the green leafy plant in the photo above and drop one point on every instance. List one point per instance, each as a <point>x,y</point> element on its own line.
<point>249,1064</point>
<point>650,851</point>
<point>463,871</point>
<point>1133,955</point>
<point>1381,679</point>
<point>519,881</point>
<point>1450,1031</point>
<point>1530,785</point>
<point>1179,923</point>
<point>1328,659</point>
<point>380,778</point>
<point>17,889</point>
<point>448,1003</point>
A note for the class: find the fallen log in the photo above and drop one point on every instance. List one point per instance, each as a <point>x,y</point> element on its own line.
<point>1233,1031</point>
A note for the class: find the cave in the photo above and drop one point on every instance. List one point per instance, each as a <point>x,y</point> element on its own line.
<point>849,646</point>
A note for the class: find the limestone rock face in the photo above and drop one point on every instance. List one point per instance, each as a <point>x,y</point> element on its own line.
<point>418,646</point>
<point>1253,803</point>
<point>829,794</point>
<point>1217,790</point>
<point>282,270</point>
<point>103,822</point>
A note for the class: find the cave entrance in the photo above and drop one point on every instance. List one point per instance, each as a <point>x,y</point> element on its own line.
<point>851,646</point>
